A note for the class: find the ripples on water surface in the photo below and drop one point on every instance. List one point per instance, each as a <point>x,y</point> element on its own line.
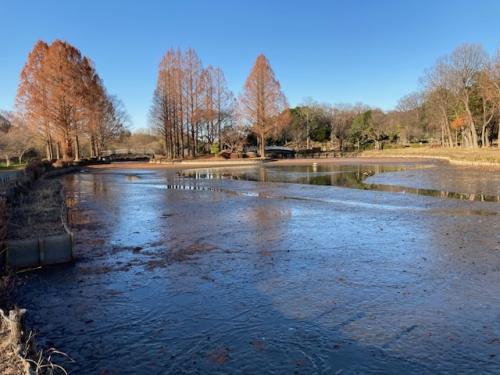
<point>203,274</point>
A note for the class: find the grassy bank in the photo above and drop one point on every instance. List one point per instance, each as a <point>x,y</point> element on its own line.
<point>30,206</point>
<point>12,166</point>
<point>486,157</point>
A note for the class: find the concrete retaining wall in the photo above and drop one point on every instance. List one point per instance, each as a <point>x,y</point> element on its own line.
<point>35,252</point>
<point>56,249</point>
<point>44,251</point>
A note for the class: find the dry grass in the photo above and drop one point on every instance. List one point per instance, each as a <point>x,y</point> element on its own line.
<point>487,156</point>
<point>38,212</point>
<point>42,362</point>
<point>19,354</point>
<point>11,360</point>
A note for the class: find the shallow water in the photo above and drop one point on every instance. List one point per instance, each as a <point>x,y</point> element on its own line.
<point>428,178</point>
<point>193,275</point>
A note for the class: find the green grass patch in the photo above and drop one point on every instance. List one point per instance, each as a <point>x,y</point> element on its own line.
<point>12,166</point>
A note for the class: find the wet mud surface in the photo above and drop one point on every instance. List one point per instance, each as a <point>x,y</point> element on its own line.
<point>185,274</point>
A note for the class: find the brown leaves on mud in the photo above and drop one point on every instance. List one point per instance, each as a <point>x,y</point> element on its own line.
<point>219,356</point>
<point>181,254</point>
<point>149,257</point>
<point>258,345</point>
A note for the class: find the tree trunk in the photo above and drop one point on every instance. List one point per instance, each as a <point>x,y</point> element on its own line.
<point>450,137</point>
<point>262,147</point>
<point>49,151</point>
<point>498,139</point>
<point>483,135</point>
<point>443,144</point>
<point>93,152</point>
<point>473,133</point>
<point>77,148</point>
<point>20,157</point>
<point>68,149</point>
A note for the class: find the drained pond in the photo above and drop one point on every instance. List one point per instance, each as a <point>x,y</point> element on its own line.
<point>277,269</point>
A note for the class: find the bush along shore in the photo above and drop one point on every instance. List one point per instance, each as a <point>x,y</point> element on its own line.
<point>31,206</point>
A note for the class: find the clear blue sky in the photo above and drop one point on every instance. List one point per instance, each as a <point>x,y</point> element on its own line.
<point>333,51</point>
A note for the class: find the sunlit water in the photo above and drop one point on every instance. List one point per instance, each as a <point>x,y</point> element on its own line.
<point>435,180</point>
<point>256,270</point>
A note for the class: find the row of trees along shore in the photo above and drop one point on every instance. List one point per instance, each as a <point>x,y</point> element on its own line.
<point>193,109</point>
<point>458,105</point>
<point>62,100</point>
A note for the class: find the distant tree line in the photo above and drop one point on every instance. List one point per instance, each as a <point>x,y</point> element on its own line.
<point>64,110</point>
<point>458,105</point>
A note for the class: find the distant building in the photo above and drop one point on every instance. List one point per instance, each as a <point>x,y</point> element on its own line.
<point>280,152</point>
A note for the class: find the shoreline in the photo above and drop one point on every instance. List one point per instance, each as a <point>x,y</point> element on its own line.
<point>489,158</point>
<point>459,162</point>
<point>195,164</point>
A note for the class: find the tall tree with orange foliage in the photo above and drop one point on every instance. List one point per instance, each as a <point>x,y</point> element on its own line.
<point>32,96</point>
<point>217,104</point>
<point>262,105</point>
<point>190,104</point>
<point>62,77</point>
<point>61,96</point>
<point>167,109</point>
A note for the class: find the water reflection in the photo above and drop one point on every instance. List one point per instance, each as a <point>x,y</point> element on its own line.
<point>350,176</point>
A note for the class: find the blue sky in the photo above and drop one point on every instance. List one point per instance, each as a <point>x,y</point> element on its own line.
<point>333,51</point>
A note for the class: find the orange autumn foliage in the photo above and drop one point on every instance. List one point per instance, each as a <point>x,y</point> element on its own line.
<point>459,122</point>
<point>263,106</point>
<point>62,98</point>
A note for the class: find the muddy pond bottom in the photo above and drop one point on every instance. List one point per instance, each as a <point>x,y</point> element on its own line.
<point>183,274</point>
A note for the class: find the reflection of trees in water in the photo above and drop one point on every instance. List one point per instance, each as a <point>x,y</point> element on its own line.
<point>268,223</point>
<point>263,174</point>
<point>351,176</point>
<point>99,186</point>
<point>105,196</point>
<point>434,193</point>
<point>73,197</point>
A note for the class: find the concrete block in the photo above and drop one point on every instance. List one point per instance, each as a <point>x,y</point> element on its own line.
<point>56,249</point>
<point>22,253</point>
